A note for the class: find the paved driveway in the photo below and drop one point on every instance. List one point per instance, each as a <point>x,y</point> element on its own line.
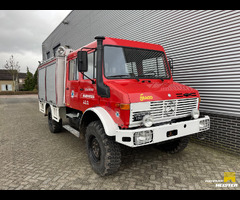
<point>33,158</point>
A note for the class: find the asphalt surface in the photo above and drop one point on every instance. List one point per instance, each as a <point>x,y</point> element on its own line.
<point>33,158</point>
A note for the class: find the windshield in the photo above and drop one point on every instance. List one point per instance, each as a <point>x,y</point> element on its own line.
<point>125,62</point>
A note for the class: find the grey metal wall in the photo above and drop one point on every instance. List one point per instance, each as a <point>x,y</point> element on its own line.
<point>205,46</point>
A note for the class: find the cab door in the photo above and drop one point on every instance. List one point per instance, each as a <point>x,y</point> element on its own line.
<point>89,97</point>
<point>72,89</point>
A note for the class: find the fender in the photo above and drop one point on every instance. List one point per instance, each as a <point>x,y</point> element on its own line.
<point>109,125</point>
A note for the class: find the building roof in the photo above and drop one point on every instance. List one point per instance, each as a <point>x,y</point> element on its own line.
<point>5,75</point>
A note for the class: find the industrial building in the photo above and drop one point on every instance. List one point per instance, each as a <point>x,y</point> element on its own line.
<point>204,44</point>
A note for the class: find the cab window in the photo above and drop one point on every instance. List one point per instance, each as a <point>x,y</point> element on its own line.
<point>73,71</point>
<point>91,73</point>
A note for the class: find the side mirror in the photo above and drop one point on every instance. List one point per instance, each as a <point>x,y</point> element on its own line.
<point>82,60</point>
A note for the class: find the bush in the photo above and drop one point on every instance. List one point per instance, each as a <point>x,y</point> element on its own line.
<point>18,92</point>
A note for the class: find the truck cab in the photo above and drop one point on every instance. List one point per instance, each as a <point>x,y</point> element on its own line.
<point>121,92</point>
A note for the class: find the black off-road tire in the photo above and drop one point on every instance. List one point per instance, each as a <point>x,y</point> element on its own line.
<point>174,146</point>
<point>104,153</point>
<point>54,127</point>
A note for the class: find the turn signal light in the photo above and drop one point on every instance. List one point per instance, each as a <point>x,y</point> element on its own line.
<point>123,106</point>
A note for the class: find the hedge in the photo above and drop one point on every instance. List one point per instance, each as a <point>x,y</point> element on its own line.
<point>17,92</point>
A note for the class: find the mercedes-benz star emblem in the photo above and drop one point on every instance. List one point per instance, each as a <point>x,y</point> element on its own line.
<point>169,108</point>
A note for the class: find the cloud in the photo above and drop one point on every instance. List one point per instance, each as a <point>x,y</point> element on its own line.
<point>19,31</point>
<point>22,33</point>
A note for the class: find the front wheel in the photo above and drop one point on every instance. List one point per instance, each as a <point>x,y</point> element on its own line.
<point>104,153</point>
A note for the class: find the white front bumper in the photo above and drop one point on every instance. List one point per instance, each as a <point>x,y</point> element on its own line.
<point>159,133</point>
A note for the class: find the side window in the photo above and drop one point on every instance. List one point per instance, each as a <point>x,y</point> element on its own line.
<point>91,73</point>
<point>73,71</point>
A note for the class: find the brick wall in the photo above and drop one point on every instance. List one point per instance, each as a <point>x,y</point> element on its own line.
<point>224,133</point>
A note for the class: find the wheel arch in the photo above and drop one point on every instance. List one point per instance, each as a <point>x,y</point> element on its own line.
<point>46,108</point>
<point>98,113</point>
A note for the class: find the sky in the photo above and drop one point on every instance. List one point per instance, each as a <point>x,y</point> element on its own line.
<point>22,33</point>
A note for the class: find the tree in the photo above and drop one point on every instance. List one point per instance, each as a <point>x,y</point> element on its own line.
<point>35,80</point>
<point>29,83</point>
<point>13,68</point>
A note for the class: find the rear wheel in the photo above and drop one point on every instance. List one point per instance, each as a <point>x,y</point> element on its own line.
<point>103,152</point>
<point>174,146</point>
<point>54,126</point>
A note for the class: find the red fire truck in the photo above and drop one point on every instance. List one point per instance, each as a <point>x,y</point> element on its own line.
<point>118,92</point>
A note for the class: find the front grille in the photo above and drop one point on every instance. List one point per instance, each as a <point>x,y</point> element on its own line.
<point>170,109</point>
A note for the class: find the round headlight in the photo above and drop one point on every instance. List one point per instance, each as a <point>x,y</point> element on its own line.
<point>195,113</point>
<point>147,120</point>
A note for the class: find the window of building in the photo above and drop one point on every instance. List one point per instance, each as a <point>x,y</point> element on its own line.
<point>48,54</point>
<point>6,87</point>
<point>55,49</point>
<point>3,87</point>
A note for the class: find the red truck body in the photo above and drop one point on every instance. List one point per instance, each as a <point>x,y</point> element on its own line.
<point>123,91</point>
<point>119,91</point>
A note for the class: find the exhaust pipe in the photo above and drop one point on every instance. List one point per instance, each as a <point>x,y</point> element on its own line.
<point>102,89</point>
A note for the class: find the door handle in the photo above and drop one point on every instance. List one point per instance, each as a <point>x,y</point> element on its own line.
<point>67,88</point>
<point>81,89</point>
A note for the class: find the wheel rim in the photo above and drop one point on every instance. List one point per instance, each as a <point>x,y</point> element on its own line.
<point>95,149</point>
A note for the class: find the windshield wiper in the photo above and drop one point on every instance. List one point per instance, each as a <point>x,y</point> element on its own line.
<point>120,76</point>
<point>162,78</point>
<point>134,76</point>
<point>124,76</point>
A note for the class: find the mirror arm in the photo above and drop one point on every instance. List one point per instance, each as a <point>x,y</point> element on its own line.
<point>93,82</point>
